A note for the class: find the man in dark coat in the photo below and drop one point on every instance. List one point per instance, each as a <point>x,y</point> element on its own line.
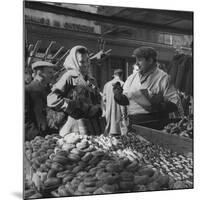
<point>36,99</point>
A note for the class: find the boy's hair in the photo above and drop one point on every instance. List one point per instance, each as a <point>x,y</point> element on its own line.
<point>145,52</point>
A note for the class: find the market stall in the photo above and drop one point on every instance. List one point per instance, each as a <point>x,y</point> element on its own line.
<point>141,159</point>
<point>85,165</point>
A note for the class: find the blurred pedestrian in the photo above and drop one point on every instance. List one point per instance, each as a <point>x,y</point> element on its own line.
<point>113,112</point>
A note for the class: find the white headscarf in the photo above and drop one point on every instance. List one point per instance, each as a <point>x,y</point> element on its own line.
<point>71,62</point>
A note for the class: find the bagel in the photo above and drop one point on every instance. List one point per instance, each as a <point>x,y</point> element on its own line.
<point>102,175</point>
<point>82,164</point>
<point>90,181</point>
<point>155,176</point>
<point>48,163</point>
<point>43,176</point>
<point>62,191</point>
<point>51,156</point>
<point>88,156</point>
<point>126,185</point>
<point>69,188</point>
<point>55,194</point>
<point>111,167</point>
<point>141,180</point>
<point>74,183</point>
<point>57,149</point>
<point>42,158</point>
<point>98,153</point>
<point>35,196</point>
<point>57,166</point>
<point>146,171</point>
<point>112,178</point>
<point>94,161</point>
<point>133,166</point>
<point>153,186</point>
<point>110,188</point>
<point>93,170</point>
<point>140,188</point>
<point>62,174</point>
<point>81,187</point>
<point>77,151</point>
<point>62,153</point>
<point>74,157</point>
<point>81,173</point>
<point>126,176</point>
<point>52,182</point>
<point>82,145</point>
<point>77,193</point>
<point>163,180</point>
<point>90,189</point>
<point>77,169</point>
<point>51,173</point>
<point>44,168</point>
<point>60,159</point>
<point>88,149</point>
<point>49,151</point>
<point>69,167</point>
<point>103,163</point>
<point>99,191</point>
<point>72,138</point>
<point>99,183</point>
<point>68,147</point>
<point>36,161</point>
<point>68,178</point>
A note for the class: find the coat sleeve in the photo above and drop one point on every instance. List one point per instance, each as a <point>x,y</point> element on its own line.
<point>104,98</point>
<point>39,111</point>
<point>57,98</point>
<point>170,96</point>
<point>95,91</point>
<point>169,91</point>
<point>31,128</point>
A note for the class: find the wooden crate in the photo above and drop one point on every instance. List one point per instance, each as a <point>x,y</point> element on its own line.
<point>178,144</point>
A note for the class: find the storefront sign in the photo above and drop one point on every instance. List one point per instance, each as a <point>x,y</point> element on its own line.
<point>53,20</point>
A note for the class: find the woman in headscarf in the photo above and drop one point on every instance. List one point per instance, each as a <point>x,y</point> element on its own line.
<point>76,93</point>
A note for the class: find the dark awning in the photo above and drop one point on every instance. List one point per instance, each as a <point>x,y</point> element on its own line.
<point>179,22</point>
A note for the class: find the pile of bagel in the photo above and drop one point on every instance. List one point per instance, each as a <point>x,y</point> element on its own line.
<point>74,165</point>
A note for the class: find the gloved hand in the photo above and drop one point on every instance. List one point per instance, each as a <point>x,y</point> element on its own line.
<point>74,109</point>
<point>95,111</point>
<point>78,110</point>
<point>156,99</point>
<point>118,94</point>
<point>117,88</point>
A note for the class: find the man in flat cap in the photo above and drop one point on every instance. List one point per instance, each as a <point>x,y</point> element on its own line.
<point>148,92</point>
<point>113,112</point>
<point>36,99</point>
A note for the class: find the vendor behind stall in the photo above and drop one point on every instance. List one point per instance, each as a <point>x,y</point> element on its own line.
<point>148,92</point>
